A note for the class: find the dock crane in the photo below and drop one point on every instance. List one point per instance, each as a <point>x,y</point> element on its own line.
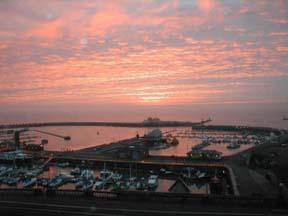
<point>17,135</point>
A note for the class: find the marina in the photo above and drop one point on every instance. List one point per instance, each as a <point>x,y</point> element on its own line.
<point>168,163</point>
<point>139,178</point>
<point>87,136</point>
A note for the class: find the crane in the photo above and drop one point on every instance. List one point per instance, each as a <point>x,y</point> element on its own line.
<point>17,135</point>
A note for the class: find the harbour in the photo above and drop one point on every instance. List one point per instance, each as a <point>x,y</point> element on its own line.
<point>155,107</point>
<point>197,165</point>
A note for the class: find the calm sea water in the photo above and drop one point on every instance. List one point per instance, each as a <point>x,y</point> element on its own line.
<point>267,115</point>
<point>92,136</point>
<point>87,136</point>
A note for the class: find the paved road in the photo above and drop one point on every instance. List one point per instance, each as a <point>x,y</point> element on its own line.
<point>102,208</point>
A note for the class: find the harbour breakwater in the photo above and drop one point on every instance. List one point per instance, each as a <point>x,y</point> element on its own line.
<point>195,125</point>
<point>238,128</point>
<point>107,124</point>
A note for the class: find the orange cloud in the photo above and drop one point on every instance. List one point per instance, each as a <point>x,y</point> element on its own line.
<point>279,34</point>
<point>280,21</point>
<point>103,21</point>
<point>206,6</point>
<point>51,30</point>
<point>110,15</point>
<point>129,67</point>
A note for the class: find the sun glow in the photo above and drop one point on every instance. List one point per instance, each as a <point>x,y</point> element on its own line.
<point>152,99</point>
<point>103,52</point>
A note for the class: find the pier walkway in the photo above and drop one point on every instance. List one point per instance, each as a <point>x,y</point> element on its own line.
<point>112,146</point>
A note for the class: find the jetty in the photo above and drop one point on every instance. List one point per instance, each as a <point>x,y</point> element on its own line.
<point>145,123</point>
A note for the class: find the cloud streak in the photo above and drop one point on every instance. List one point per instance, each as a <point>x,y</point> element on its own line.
<point>142,52</point>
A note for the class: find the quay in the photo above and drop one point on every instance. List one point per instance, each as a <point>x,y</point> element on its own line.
<point>108,124</point>
<point>113,146</point>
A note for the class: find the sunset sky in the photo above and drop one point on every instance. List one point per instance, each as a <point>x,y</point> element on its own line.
<point>143,53</point>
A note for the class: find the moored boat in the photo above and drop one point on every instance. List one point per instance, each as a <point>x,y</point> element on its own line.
<point>75,171</point>
<point>88,185</point>
<point>116,177</point>
<point>233,145</point>
<point>152,181</point>
<point>12,181</point>
<point>79,184</point>
<point>29,182</point>
<point>99,184</point>
<point>59,180</point>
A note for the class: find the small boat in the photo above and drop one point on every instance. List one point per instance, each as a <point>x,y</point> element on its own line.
<point>88,185</point>
<point>6,171</point>
<point>173,141</point>
<point>73,180</point>
<point>104,174</point>
<point>138,186</point>
<point>131,183</point>
<point>3,171</point>
<point>29,182</point>
<point>117,186</point>
<point>99,184</point>
<point>127,185</point>
<point>200,174</point>
<point>59,180</point>
<point>12,181</point>
<point>165,172</point>
<point>4,180</point>
<point>75,171</point>
<point>158,146</point>
<point>20,171</point>
<point>132,179</point>
<point>151,171</point>
<point>233,145</point>
<point>63,165</point>
<point>152,181</point>
<point>30,174</point>
<point>87,174</point>
<point>79,184</point>
<point>116,177</point>
<point>55,182</point>
<point>141,184</point>
<point>43,182</point>
<point>35,172</point>
<point>187,172</point>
